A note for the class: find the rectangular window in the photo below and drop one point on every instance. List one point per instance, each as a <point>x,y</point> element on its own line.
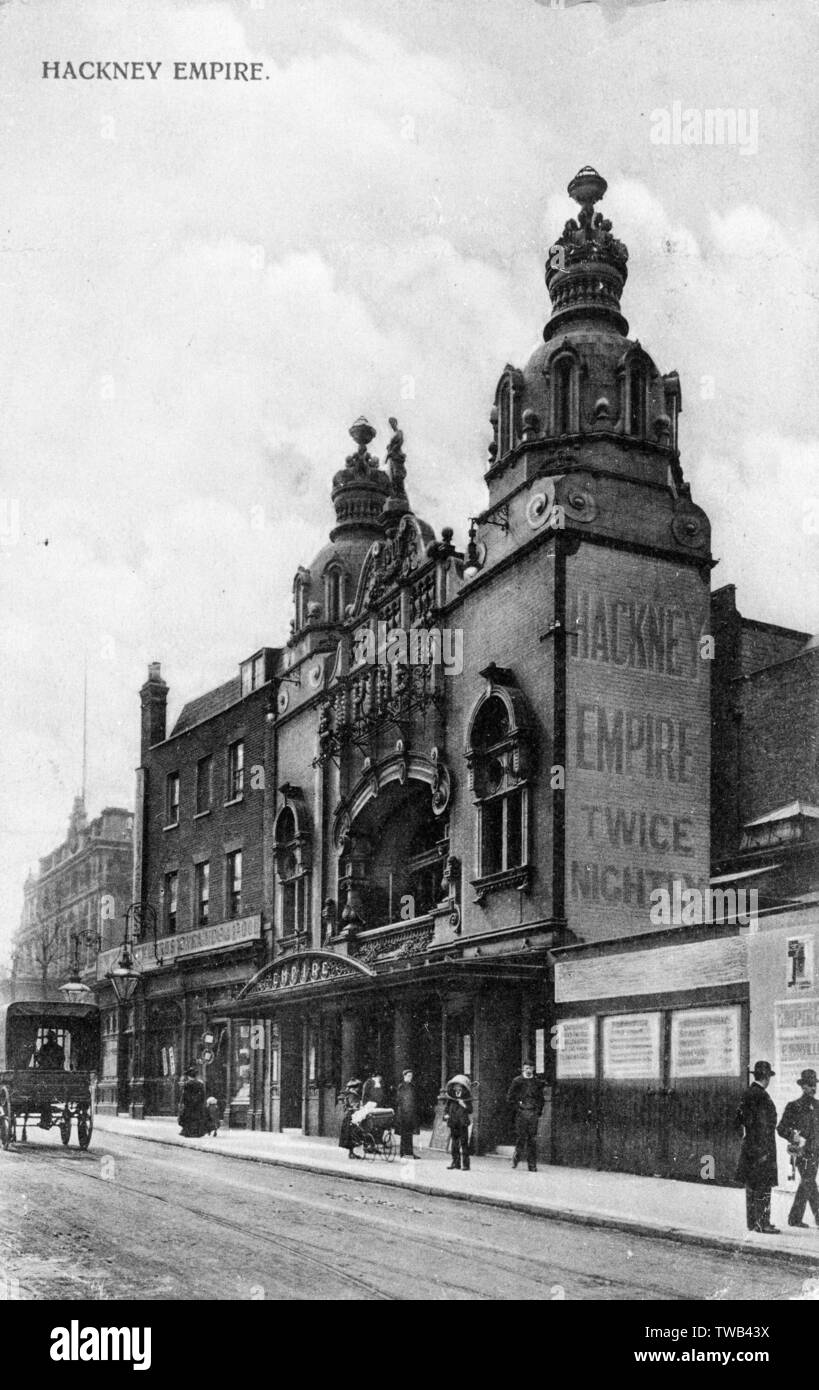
<point>492,837</point>
<point>171,902</point>
<point>514,830</point>
<point>234,883</point>
<point>204,784</point>
<point>236,770</point>
<point>172,799</point>
<point>252,674</point>
<point>202,894</point>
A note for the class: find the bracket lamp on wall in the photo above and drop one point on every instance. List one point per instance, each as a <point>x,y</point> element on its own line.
<point>475,554</point>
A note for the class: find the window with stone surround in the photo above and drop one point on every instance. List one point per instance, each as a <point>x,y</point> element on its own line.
<point>497,758</point>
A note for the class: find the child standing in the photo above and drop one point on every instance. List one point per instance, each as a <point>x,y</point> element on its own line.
<point>457,1113</point>
<point>214,1116</point>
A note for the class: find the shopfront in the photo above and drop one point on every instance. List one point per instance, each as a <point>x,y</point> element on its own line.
<point>176,1019</point>
<point>648,1081</point>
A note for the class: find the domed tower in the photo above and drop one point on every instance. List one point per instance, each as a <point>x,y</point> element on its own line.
<point>598,560</point>
<point>369,503</point>
<point>590,394</point>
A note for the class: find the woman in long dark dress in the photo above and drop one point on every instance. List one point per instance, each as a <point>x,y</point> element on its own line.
<point>351,1099</point>
<point>193,1118</point>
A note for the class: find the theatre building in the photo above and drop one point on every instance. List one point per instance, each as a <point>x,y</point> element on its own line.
<point>450,820</point>
<point>479,767</point>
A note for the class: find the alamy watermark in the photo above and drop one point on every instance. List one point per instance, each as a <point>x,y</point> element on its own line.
<point>694,125</point>
<point>416,646</point>
<point>689,907</point>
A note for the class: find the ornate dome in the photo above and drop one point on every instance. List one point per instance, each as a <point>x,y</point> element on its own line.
<point>369,505</point>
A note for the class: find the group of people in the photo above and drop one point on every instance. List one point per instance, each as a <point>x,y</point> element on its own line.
<point>758,1170</point>
<point>525,1094</point>
<point>199,1113</point>
<point>358,1098</point>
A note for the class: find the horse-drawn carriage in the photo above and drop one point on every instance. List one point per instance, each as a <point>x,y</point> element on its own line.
<point>48,1052</point>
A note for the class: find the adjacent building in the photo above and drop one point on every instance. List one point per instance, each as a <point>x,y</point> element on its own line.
<point>75,904</point>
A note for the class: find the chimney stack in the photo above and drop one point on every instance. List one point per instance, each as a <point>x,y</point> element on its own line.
<point>153,698</point>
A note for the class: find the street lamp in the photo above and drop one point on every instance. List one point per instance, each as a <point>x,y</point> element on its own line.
<point>126,974</point>
<point>73,990</point>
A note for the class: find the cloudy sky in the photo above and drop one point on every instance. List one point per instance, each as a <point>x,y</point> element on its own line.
<point>203,283</point>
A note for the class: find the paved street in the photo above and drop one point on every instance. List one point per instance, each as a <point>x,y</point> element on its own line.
<point>135,1219</point>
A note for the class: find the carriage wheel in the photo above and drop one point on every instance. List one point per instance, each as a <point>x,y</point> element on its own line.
<point>368,1145</point>
<point>85,1127</point>
<point>6,1118</point>
<point>388,1144</point>
<point>65,1126</point>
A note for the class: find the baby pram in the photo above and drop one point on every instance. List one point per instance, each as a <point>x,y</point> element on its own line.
<point>371,1131</point>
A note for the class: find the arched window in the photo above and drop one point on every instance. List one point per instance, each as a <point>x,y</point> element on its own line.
<point>563,397</point>
<point>334,594</point>
<point>637,401</point>
<point>505,417</point>
<point>564,377</point>
<point>496,756</point>
<point>292,872</point>
<point>507,409</point>
<point>300,587</point>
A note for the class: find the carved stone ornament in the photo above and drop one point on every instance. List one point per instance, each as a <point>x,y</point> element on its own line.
<point>576,498</point>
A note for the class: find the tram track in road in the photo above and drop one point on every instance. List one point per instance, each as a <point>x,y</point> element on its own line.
<point>548,1275</point>
<point>299,1249</point>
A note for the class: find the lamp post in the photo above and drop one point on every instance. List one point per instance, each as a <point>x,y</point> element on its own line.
<point>126,974</point>
<point>74,990</point>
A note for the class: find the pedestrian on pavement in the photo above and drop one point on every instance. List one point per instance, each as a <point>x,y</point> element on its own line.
<point>350,1098</point>
<point>374,1090</point>
<point>757,1169</point>
<point>800,1126</point>
<point>214,1115</point>
<point>457,1113</point>
<point>406,1113</point>
<point>526,1095</point>
<point>193,1121</point>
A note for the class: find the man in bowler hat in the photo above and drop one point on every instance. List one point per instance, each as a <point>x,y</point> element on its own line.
<point>756,1121</point>
<point>800,1126</point>
<point>526,1095</point>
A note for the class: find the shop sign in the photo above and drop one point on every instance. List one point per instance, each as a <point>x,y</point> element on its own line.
<point>574,1043</point>
<point>705,1042</point>
<point>631,1047</point>
<point>189,943</point>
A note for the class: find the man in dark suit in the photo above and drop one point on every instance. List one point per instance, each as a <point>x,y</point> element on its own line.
<point>800,1126</point>
<point>406,1113</point>
<point>526,1095</point>
<point>756,1121</point>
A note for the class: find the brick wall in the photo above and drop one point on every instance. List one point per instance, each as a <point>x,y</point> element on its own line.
<point>226,827</point>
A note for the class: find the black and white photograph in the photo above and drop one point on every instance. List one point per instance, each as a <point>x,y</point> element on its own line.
<point>409,547</point>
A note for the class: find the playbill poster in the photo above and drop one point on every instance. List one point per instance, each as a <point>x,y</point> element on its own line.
<point>409,526</point>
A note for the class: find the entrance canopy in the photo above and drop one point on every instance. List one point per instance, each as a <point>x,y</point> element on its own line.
<point>305,976</point>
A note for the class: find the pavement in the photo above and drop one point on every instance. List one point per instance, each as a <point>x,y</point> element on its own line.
<point>691,1213</point>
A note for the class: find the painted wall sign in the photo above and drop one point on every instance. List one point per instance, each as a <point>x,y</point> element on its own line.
<point>796,1041</point>
<point>658,971</point>
<point>638,728</point>
<point>575,1048</point>
<point>189,943</point>
<point>705,1042</point>
<point>631,1047</point>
